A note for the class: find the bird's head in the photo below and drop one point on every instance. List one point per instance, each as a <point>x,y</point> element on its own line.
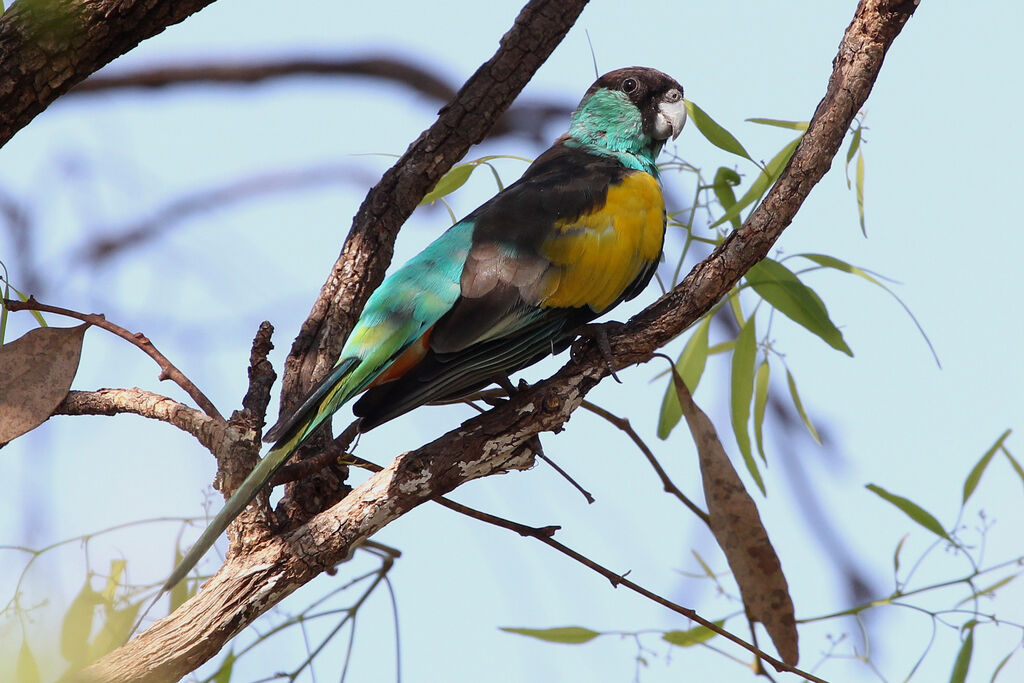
<point>630,113</point>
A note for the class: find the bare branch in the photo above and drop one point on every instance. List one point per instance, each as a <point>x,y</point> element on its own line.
<point>167,369</point>
<point>51,45</point>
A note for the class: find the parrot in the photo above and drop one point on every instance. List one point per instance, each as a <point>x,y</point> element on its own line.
<point>511,283</point>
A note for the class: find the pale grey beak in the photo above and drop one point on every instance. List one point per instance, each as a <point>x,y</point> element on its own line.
<point>671,116</point>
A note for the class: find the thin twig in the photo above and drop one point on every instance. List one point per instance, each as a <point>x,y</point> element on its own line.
<point>545,535</point>
<point>167,368</point>
<point>624,424</point>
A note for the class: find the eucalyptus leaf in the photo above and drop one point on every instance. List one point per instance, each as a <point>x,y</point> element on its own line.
<point>777,285</point>
<point>691,636</point>
<point>761,381</point>
<point>780,123</point>
<point>799,405</point>
<point>691,366</point>
<point>974,476</point>
<point>768,176</point>
<point>742,391</point>
<point>567,635</point>
<point>912,510</point>
<point>715,134</point>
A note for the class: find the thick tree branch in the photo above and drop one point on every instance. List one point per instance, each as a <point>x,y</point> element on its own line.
<point>48,46</point>
<point>251,582</point>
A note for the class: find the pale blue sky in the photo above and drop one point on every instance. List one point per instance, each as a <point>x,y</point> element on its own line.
<point>942,160</point>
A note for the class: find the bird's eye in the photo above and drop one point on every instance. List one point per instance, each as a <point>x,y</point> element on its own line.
<point>629,85</point>
<point>673,96</point>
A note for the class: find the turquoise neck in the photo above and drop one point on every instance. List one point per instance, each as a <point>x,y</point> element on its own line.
<point>607,123</point>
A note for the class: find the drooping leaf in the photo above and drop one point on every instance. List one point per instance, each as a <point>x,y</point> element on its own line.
<point>963,659</point>
<point>860,192</point>
<point>854,146</point>
<point>737,527</point>
<point>826,261</point>
<point>760,403</point>
<point>26,669</point>
<point>714,133</point>
<point>115,630</point>
<point>896,554</point>
<point>36,372</point>
<point>223,674</point>
<point>779,123</point>
<point>912,510</point>
<point>781,288</point>
<point>725,180</point>
<point>77,625</point>
<point>798,404</point>
<point>1016,465</point>
<point>569,635</point>
<point>768,176</point>
<point>691,366</point>
<point>988,590</point>
<point>691,636</point>
<point>744,354</point>
<point>974,476</point>
<point>117,568</point>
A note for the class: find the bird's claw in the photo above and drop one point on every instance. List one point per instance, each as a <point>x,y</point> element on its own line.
<point>598,333</point>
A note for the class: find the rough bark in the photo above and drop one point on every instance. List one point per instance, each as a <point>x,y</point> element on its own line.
<point>251,582</point>
<point>48,46</point>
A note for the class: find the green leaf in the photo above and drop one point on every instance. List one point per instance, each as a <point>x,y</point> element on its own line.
<point>117,568</point>
<point>988,590</point>
<point>912,510</point>
<point>854,146</point>
<point>691,366</point>
<point>77,625</point>
<point>768,176</point>
<point>742,391</point>
<point>896,554</point>
<point>223,674</point>
<point>838,264</point>
<point>860,191</point>
<point>779,123</point>
<point>715,134</point>
<point>26,669</point>
<point>449,182</point>
<point>115,630</point>
<point>725,180</point>
<point>1003,662</point>
<point>799,405</point>
<point>760,402</point>
<point>1016,465</point>
<point>569,635</point>
<point>963,658</point>
<point>777,285</point>
<point>974,476</point>
<point>691,636</point>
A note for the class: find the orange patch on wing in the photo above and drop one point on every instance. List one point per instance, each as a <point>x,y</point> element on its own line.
<point>406,361</point>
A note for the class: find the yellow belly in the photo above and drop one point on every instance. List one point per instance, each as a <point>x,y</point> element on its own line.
<point>597,256</point>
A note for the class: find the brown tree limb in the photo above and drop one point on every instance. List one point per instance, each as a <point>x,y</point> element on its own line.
<point>49,46</point>
<point>168,370</point>
<point>251,582</point>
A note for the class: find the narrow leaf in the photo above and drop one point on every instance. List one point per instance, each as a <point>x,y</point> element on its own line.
<point>691,636</point>
<point>117,568</point>
<point>742,391</point>
<point>768,176</point>
<point>725,180</point>
<point>838,264</point>
<point>798,404</point>
<point>760,402</point>
<point>77,625</point>
<point>963,659</point>
<point>569,635</point>
<point>715,134</point>
<point>223,674</point>
<point>974,476</point>
<point>737,527</point>
<point>26,669</point>
<point>1016,465</point>
<point>115,630</point>
<point>691,366</point>
<point>988,590</point>
<point>36,371</point>
<point>860,192</point>
<point>781,288</point>
<point>779,123</point>
<point>912,510</point>
<point>449,182</point>
<point>854,146</point>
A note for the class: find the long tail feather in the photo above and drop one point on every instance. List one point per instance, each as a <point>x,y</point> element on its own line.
<point>323,400</point>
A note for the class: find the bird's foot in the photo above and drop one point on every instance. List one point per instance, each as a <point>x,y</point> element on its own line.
<point>598,333</point>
